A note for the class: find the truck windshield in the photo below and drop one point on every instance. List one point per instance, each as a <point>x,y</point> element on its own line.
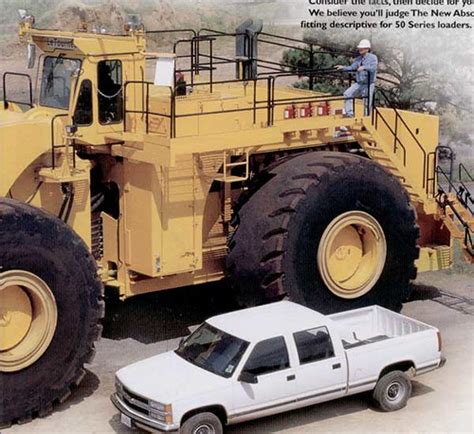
<point>213,350</point>
<point>56,81</point>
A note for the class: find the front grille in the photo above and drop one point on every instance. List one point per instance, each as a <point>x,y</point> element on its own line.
<point>138,403</point>
<point>135,396</point>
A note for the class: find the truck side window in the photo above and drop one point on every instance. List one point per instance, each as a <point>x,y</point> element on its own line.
<point>314,344</point>
<point>110,91</point>
<point>268,356</point>
<point>83,112</point>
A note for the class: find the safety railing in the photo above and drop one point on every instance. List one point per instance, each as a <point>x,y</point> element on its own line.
<point>145,106</point>
<point>463,174</point>
<point>200,61</point>
<point>268,104</point>
<point>397,142</point>
<point>464,198</point>
<point>54,146</point>
<point>460,190</point>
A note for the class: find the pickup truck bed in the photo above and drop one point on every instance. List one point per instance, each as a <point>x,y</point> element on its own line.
<point>373,324</point>
<point>374,337</point>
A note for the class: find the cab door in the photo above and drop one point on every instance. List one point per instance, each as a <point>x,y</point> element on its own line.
<point>273,387</point>
<point>83,112</point>
<point>110,92</point>
<point>322,371</point>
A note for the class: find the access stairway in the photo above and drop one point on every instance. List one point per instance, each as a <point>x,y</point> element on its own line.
<point>387,138</point>
<point>376,148</point>
<point>456,202</point>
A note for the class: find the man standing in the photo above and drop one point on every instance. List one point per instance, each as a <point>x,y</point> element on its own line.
<point>365,67</point>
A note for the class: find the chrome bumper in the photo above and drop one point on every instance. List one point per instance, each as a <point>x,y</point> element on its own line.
<point>431,367</point>
<point>442,362</point>
<point>140,419</point>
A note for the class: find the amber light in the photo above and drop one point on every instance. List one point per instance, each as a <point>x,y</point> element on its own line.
<point>169,414</point>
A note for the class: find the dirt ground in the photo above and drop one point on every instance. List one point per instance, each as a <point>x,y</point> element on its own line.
<point>442,400</point>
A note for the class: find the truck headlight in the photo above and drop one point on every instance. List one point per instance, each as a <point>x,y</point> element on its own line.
<point>156,406</point>
<point>118,386</point>
<point>159,411</point>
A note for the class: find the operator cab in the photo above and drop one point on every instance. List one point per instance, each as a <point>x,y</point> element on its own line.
<point>81,74</point>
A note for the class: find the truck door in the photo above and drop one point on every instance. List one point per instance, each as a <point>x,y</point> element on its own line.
<point>321,374</point>
<point>269,363</point>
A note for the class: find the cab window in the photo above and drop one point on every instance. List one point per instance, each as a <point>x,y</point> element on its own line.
<point>313,345</point>
<point>110,91</point>
<point>56,81</point>
<point>270,355</point>
<point>83,112</point>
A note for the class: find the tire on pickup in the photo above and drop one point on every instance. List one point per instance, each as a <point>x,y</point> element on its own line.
<point>202,423</point>
<point>329,230</point>
<point>392,391</point>
<point>51,304</point>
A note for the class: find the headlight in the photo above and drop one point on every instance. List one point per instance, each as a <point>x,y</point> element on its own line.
<point>162,412</point>
<point>118,386</point>
<point>156,406</point>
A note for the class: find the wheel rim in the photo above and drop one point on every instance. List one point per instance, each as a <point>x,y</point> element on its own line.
<point>204,428</point>
<point>28,318</point>
<point>351,254</point>
<point>395,391</point>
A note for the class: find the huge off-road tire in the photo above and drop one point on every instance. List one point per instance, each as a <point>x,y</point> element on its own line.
<point>50,307</point>
<point>329,230</point>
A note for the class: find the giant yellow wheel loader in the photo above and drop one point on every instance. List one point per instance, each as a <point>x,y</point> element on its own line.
<point>111,180</point>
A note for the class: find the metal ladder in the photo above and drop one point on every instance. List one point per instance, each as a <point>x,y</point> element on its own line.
<point>228,165</point>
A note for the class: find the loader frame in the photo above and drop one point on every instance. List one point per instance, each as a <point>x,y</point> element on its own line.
<point>147,163</point>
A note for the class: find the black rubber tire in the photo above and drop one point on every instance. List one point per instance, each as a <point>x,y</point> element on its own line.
<point>273,251</point>
<point>381,391</point>
<point>191,424</point>
<point>34,241</point>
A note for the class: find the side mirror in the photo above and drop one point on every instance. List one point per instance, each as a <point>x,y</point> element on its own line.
<point>247,377</point>
<point>181,341</point>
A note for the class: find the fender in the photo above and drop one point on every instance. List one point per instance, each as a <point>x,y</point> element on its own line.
<point>24,137</point>
<point>25,146</point>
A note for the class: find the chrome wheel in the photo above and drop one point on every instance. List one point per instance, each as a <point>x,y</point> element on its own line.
<point>204,428</point>
<point>395,392</point>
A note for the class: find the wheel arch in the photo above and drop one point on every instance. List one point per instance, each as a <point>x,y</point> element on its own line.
<point>216,409</point>
<point>403,366</point>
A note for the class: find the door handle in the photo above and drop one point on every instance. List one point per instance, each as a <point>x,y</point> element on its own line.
<point>336,366</point>
<point>290,377</point>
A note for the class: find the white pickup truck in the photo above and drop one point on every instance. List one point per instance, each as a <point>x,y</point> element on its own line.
<point>273,358</point>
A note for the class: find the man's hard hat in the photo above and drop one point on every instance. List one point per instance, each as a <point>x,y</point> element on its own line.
<point>365,43</point>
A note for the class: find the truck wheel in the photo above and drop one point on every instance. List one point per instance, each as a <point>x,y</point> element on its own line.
<point>392,391</point>
<point>202,423</point>
<point>50,306</point>
<point>329,230</point>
